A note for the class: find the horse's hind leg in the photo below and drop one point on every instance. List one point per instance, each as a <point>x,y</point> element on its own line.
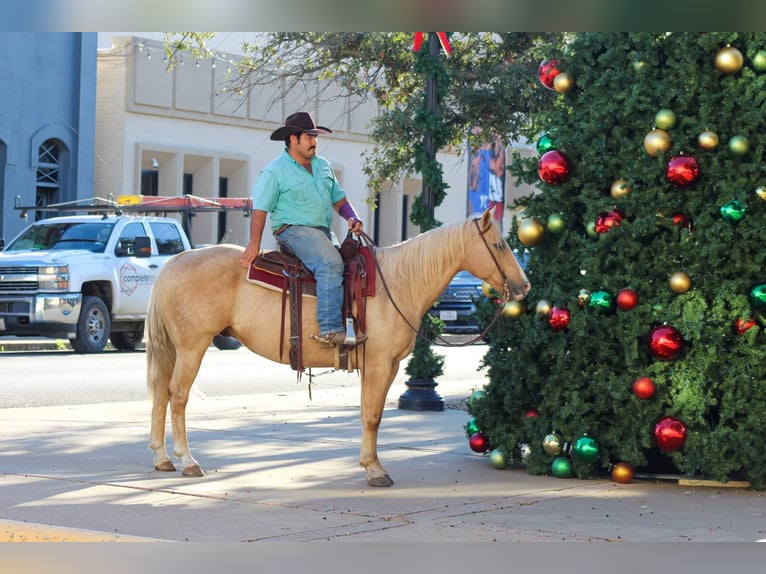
<point>375,384</point>
<point>186,369</point>
<point>157,440</point>
<point>158,378</point>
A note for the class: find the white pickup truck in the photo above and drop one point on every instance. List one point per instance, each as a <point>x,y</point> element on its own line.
<point>85,278</point>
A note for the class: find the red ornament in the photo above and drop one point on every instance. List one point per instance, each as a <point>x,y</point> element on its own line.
<point>665,342</point>
<point>682,170</point>
<point>558,318</point>
<point>479,442</point>
<point>627,299</point>
<point>547,72</point>
<point>742,325</point>
<point>605,221</point>
<point>554,167</point>
<point>670,434</point>
<point>532,414</point>
<point>643,388</point>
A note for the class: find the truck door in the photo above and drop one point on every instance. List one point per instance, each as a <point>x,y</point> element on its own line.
<point>135,275</point>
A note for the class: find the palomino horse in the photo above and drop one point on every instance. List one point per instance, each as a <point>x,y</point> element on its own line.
<point>203,292</point>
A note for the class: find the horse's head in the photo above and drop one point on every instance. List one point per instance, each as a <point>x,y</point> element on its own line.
<point>489,258</point>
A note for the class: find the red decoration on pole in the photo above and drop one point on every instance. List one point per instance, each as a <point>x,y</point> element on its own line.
<point>443,40</point>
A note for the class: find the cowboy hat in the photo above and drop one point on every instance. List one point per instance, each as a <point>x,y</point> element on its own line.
<point>298,123</point>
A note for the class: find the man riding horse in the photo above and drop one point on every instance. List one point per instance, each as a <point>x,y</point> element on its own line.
<point>300,191</point>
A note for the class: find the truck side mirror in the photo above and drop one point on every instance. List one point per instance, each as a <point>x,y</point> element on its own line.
<point>2,244</point>
<point>143,246</point>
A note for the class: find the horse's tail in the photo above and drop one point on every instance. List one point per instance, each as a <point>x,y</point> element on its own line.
<point>160,349</point>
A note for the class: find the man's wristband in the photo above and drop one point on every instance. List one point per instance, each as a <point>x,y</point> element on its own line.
<point>347,212</point>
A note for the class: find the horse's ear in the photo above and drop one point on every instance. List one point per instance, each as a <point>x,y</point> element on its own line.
<point>487,218</point>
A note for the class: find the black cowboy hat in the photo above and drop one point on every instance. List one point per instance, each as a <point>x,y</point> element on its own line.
<point>298,123</point>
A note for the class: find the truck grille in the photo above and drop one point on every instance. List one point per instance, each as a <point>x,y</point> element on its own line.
<point>18,279</point>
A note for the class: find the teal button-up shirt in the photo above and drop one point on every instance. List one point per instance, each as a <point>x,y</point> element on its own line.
<point>292,195</point>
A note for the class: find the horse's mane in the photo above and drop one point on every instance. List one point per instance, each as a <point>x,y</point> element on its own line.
<point>424,259</point>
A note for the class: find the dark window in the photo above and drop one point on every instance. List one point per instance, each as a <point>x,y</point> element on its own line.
<point>169,241</point>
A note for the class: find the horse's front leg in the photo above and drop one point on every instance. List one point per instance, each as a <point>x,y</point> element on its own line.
<point>375,385</point>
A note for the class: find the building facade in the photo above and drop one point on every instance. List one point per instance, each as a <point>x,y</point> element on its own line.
<point>185,131</point>
<point>77,122</point>
<point>47,121</point>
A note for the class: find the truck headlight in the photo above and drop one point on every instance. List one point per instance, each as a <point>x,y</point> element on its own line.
<point>53,278</point>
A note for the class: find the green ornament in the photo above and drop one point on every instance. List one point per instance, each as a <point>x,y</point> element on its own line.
<point>471,427</point>
<point>552,444</point>
<point>601,302</point>
<point>556,223</point>
<point>758,297</point>
<point>477,395</point>
<point>586,449</point>
<point>545,144</point>
<point>561,467</point>
<point>497,459</point>
<point>733,211</point>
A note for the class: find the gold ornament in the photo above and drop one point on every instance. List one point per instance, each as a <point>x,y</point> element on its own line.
<point>531,232</point>
<point>761,192</point>
<point>513,309</point>
<point>738,145</point>
<point>708,140</point>
<point>680,282</point>
<point>657,141</point>
<point>665,119</point>
<point>552,444</point>
<point>620,189</point>
<point>543,307</point>
<point>563,82</point>
<point>622,473</point>
<point>729,60</point>
<point>488,291</point>
<point>583,298</point>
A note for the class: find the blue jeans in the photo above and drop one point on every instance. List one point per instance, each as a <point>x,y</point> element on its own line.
<point>314,246</point>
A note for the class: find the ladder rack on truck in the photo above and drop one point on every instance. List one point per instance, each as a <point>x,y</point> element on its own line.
<point>187,205</point>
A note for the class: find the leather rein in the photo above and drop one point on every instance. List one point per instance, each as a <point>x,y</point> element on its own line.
<point>439,340</point>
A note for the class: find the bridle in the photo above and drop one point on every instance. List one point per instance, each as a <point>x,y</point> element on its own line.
<point>439,340</point>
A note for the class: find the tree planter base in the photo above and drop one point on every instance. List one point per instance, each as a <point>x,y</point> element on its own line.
<point>421,396</point>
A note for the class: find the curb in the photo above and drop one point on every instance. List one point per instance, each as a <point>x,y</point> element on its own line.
<point>13,531</point>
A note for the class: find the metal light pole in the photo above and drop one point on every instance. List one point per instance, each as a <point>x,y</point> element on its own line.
<point>421,394</point>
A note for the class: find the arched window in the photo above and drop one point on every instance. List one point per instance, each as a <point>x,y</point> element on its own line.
<point>50,161</point>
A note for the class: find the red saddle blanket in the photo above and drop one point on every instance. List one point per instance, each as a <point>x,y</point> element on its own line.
<point>270,269</point>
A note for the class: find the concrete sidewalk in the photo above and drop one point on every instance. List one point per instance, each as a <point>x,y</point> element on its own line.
<point>281,467</point>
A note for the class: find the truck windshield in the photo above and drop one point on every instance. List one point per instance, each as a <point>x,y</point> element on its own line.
<point>91,236</point>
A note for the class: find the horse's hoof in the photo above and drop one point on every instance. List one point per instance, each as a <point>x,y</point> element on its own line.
<point>384,480</point>
<point>166,466</point>
<point>193,470</point>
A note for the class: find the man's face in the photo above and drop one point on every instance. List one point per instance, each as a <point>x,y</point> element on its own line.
<point>306,144</point>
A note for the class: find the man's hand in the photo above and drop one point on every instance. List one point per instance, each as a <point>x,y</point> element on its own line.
<point>355,225</point>
<point>251,252</point>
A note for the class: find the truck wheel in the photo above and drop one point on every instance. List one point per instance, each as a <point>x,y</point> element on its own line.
<point>92,326</point>
<point>225,343</point>
<point>126,340</point>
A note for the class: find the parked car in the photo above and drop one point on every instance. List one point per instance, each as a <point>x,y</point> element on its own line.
<point>457,304</point>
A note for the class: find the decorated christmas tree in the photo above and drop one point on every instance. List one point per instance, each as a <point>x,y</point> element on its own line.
<point>642,346</point>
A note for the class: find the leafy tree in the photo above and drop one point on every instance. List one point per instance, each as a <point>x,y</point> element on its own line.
<point>487,85</point>
<point>579,378</point>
